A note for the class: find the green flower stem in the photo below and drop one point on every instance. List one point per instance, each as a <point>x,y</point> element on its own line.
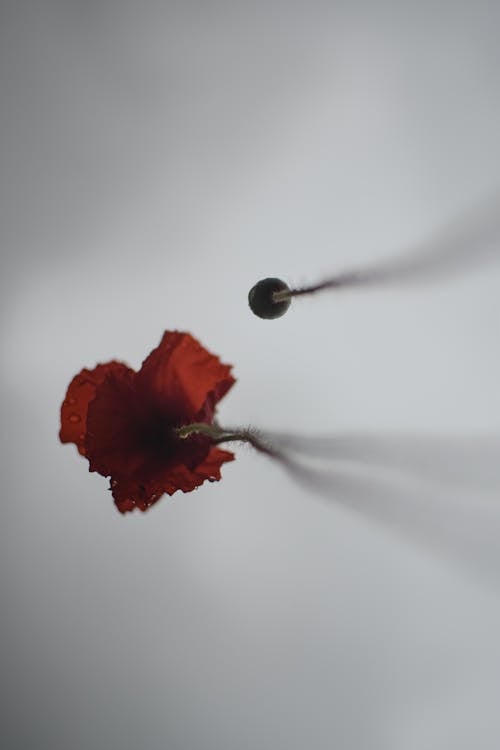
<point>259,442</point>
<point>239,435</point>
<point>199,428</point>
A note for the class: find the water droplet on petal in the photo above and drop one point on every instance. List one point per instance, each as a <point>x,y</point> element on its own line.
<point>71,401</point>
<point>74,418</point>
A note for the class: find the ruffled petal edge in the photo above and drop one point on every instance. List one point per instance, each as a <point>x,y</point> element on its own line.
<point>180,369</point>
<point>129,494</point>
<point>81,391</point>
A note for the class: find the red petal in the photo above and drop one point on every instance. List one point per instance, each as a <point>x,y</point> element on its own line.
<point>210,468</point>
<point>81,391</point>
<point>130,494</point>
<point>109,444</point>
<point>181,371</point>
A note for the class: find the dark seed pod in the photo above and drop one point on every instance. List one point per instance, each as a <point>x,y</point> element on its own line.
<point>260,299</point>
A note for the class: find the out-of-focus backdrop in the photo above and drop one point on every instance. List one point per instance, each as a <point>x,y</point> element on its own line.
<point>157,158</point>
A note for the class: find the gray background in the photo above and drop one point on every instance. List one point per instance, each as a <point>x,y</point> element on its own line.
<point>156,160</point>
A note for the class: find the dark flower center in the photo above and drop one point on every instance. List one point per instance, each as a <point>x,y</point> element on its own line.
<point>156,435</point>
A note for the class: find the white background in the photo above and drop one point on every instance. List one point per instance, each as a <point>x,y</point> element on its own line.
<point>156,160</point>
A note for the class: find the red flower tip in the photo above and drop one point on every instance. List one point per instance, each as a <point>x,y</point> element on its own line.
<point>125,422</point>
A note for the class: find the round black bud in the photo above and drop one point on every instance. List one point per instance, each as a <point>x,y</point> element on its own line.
<point>260,299</point>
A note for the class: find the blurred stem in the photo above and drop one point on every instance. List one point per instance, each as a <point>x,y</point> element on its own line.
<point>239,435</point>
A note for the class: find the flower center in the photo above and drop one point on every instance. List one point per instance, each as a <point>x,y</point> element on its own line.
<point>157,435</point>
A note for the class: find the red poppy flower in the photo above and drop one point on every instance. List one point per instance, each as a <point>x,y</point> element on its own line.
<point>125,422</point>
